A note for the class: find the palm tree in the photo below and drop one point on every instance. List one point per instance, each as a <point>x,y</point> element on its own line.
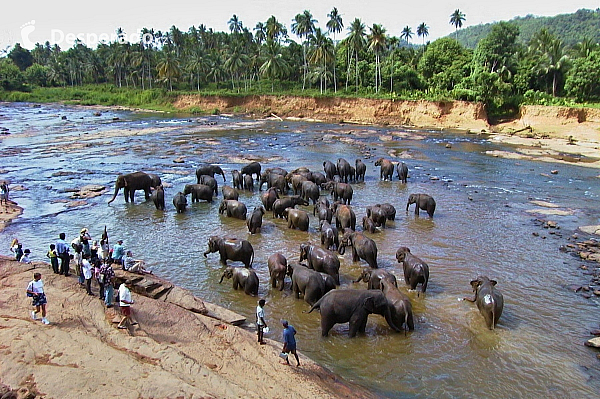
<point>235,25</point>
<point>275,29</point>
<point>334,25</point>
<point>168,68</point>
<point>423,31</point>
<point>304,26</point>
<point>406,34</point>
<point>392,45</point>
<point>457,18</point>
<point>585,47</point>
<point>355,42</point>
<point>235,63</point>
<point>554,62</point>
<point>275,65</point>
<point>377,41</point>
<point>322,51</point>
<point>260,34</point>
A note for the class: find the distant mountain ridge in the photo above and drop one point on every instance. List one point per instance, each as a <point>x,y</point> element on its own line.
<point>570,28</point>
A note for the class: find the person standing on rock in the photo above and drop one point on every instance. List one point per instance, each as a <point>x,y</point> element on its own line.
<point>86,272</point>
<point>63,253</point>
<point>125,303</point>
<point>260,321</point>
<point>35,289</point>
<point>118,252</point>
<point>25,257</point>
<point>4,190</point>
<point>289,341</point>
<point>107,274</point>
<point>53,255</point>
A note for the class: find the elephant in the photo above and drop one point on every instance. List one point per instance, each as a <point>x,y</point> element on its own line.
<point>233,208</point>
<point>330,170</point>
<point>156,181</point>
<point>248,183</point>
<point>323,210</point>
<point>158,197</point>
<point>377,215</point>
<point>231,248</point>
<point>341,191</point>
<point>321,260</point>
<point>318,178</point>
<point>180,202</point>
<point>210,170</point>
<point>131,182</point>
<point>386,170</point>
<point>243,278</point>
<point>269,197</point>
<point>388,210</point>
<point>329,282</point>
<point>250,169</point>
<point>277,264</point>
<point>402,171</point>
<point>230,193</point>
<point>277,171</point>
<point>302,170</point>
<point>353,306</point>
<point>281,204</point>
<point>254,221</point>
<point>362,247</point>
<point>329,236</point>
<point>273,180</point>
<point>236,179</point>
<point>361,170</point>
<point>310,191</point>
<point>345,217</point>
<point>296,218</point>
<point>199,192</point>
<point>210,182</point>
<point>368,224</point>
<point>307,282</point>
<point>415,270</point>
<point>489,300</point>
<point>296,181</point>
<point>422,201</point>
<point>343,168</point>
<point>399,304</point>
<point>373,278</point>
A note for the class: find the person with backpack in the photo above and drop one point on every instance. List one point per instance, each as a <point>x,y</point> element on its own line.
<point>35,290</point>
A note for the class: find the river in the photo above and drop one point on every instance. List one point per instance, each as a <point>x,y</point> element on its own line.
<point>481,227</point>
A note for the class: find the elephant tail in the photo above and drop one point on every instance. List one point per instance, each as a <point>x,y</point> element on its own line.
<point>493,313</point>
<point>252,258</point>
<point>317,305</point>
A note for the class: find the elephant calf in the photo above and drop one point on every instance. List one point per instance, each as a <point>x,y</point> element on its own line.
<point>488,299</point>
<point>422,201</point>
<point>277,264</point>
<point>362,247</point>
<point>415,270</point>
<point>233,209</point>
<point>243,278</point>
<point>254,221</point>
<point>373,277</point>
<point>400,306</point>
<point>180,202</point>
<point>158,197</point>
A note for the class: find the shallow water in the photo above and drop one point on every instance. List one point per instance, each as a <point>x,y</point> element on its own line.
<point>480,227</point>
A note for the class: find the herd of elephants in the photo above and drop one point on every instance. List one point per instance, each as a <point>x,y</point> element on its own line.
<point>317,278</point>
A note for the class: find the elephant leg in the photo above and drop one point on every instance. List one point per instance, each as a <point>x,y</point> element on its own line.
<point>355,257</point>
<point>147,193</point>
<point>326,325</point>
<point>126,194</point>
<point>132,195</point>
<point>358,321</point>
<point>236,284</point>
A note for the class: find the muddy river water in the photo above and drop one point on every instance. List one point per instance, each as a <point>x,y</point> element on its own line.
<point>481,226</point>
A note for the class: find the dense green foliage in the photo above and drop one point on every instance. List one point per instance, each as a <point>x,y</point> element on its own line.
<point>501,71</point>
<point>570,28</point>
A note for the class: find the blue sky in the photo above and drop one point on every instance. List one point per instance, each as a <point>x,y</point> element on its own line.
<point>38,21</point>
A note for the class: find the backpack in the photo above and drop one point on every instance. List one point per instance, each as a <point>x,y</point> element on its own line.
<point>29,288</point>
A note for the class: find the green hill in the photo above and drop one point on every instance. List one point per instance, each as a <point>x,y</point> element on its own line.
<point>570,28</point>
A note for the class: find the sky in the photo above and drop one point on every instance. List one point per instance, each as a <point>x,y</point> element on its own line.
<point>61,21</point>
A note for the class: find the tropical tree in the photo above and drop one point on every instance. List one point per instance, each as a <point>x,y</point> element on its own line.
<point>168,68</point>
<point>303,27</point>
<point>554,63</point>
<point>235,25</point>
<point>377,42</point>
<point>275,66</point>
<point>456,19</point>
<point>260,33</point>
<point>321,54</point>
<point>334,25</point>
<point>275,29</point>
<point>406,34</point>
<point>355,42</point>
<point>423,31</point>
<point>235,63</point>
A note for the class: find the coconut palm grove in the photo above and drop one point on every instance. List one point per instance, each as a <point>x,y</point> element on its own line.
<point>345,58</point>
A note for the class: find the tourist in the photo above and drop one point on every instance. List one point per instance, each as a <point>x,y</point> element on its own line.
<point>125,303</point>
<point>84,238</point>
<point>77,246</point>
<point>118,252</point>
<point>104,249</point>
<point>25,257</point>
<point>18,252</point>
<point>94,252</point>
<point>289,341</point>
<point>14,245</point>
<point>260,321</point>
<point>4,190</point>
<point>35,289</point>
<point>133,265</point>
<point>53,255</point>
<point>63,253</point>
<point>107,274</point>
<point>86,273</point>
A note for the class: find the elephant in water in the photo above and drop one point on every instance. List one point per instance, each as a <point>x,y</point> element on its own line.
<point>353,306</point>
<point>386,170</point>
<point>210,170</point>
<point>422,201</point>
<point>243,278</point>
<point>231,248</point>
<point>415,270</point>
<point>158,197</point>
<point>489,300</point>
<point>402,170</point>
<point>399,304</point>
<point>131,182</point>
<point>277,264</point>
<point>180,202</point>
<point>373,277</point>
<point>362,247</point>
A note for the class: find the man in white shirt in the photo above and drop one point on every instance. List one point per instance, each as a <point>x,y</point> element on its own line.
<point>125,303</point>
<point>260,321</point>
<point>35,289</point>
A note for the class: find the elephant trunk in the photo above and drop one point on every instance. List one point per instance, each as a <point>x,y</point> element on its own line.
<point>407,205</point>
<point>224,179</point>
<point>222,277</point>
<point>115,194</point>
<point>358,279</point>
<point>388,318</point>
<point>342,249</point>
<point>206,253</point>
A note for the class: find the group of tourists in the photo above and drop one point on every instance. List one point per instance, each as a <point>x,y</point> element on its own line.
<point>289,332</point>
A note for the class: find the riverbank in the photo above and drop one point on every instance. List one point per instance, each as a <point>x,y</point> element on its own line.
<point>171,353</point>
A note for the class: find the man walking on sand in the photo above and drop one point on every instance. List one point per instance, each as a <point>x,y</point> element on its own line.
<point>125,303</point>
<point>289,341</point>
<point>260,321</point>
<point>35,289</point>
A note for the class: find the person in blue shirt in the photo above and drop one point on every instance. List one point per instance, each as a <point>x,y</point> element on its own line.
<point>62,250</point>
<point>289,341</point>
<point>118,252</point>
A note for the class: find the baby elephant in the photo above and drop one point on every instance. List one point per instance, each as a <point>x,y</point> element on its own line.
<point>243,278</point>
<point>254,221</point>
<point>489,300</point>
<point>422,201</point>
<point>415,270</point>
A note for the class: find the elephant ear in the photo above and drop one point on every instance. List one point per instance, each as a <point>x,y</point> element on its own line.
<point>369,304</point>
<point>475,284</point>
<point>494,282</point>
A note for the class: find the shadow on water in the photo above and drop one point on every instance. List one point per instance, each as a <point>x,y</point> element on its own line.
<point>481,226</point>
